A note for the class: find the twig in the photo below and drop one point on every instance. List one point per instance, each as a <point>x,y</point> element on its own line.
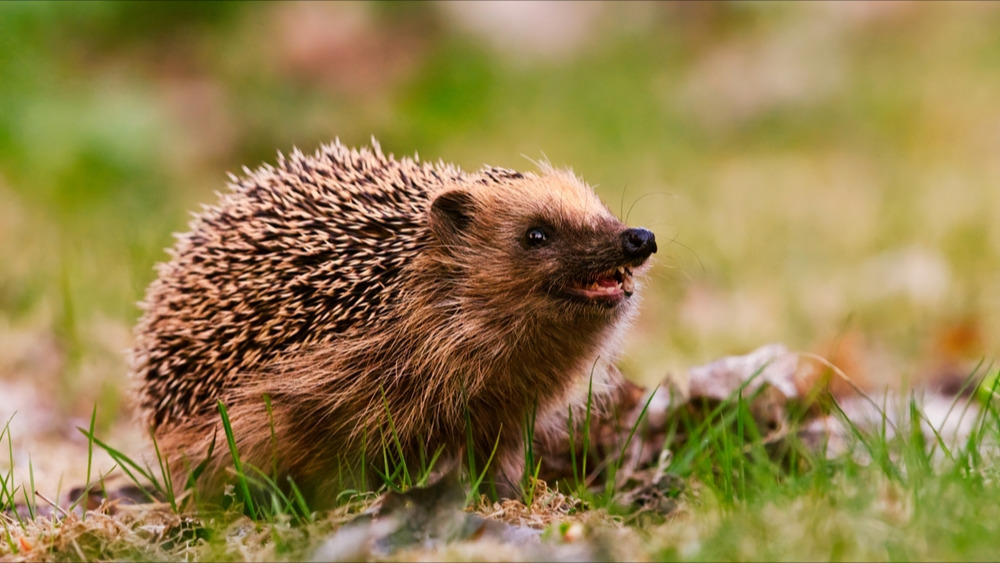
<point>50,501</point>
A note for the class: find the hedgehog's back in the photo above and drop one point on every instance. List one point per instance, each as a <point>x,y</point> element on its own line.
<point>291,256</point>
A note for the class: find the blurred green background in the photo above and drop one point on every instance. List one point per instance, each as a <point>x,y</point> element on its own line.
<point>816,173</point>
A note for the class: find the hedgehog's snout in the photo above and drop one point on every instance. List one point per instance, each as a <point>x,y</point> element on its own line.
<point>638,243</point>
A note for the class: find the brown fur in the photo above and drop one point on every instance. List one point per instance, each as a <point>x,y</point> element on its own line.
<point>347,285</point>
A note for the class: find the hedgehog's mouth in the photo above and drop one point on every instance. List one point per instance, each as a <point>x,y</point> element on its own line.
<point>607,288</point>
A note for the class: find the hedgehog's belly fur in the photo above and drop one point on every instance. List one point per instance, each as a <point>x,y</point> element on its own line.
<point>328,439</point>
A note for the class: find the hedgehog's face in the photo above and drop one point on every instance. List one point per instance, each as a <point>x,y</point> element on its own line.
<point>544,240</point>
<point>590,267</point>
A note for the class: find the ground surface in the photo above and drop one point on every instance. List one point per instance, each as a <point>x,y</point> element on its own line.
<point>821,175</point>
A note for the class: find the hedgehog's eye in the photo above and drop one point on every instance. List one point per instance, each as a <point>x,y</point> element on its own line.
<point>536,236</point>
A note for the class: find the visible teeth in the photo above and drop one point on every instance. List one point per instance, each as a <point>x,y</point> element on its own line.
<point>627,285</point>
<point>622,276</point>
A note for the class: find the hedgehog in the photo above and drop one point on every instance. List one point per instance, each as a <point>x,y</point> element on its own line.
<point>352,310</point>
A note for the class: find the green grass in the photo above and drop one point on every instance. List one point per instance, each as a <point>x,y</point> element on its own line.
<point>897,493</point>
<point>894,498</point>
<point>8,487</point>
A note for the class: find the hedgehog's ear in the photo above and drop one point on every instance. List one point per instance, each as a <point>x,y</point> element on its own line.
<point>451,214</point>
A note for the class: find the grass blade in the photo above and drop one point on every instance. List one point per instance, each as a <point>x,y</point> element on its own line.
<point>241,477</point>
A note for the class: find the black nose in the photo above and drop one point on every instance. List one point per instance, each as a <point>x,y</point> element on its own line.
<point>638,243</point>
